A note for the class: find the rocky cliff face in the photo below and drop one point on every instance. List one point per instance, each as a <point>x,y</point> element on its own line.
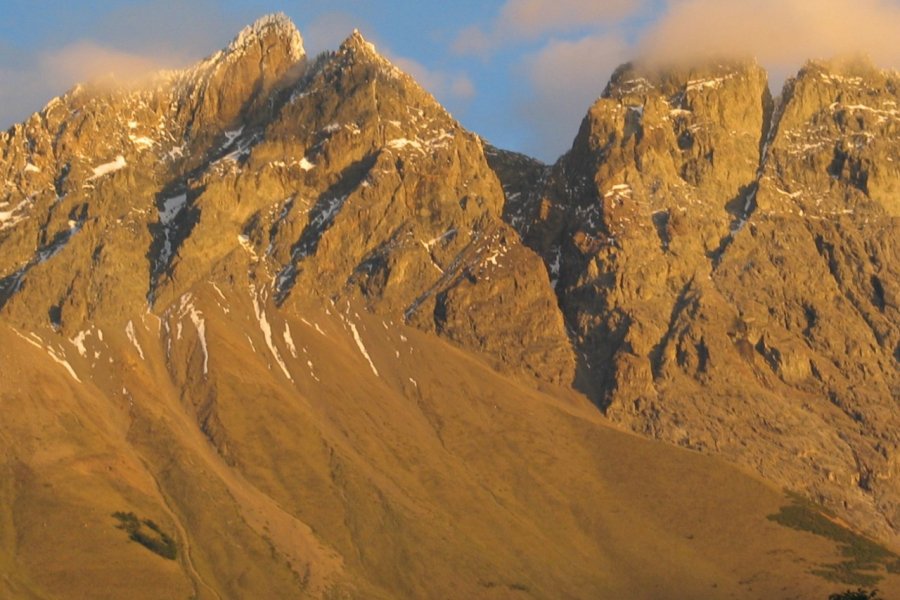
<point>727,265</point>
<point>294,313</point>
<point>89,180</point>
<point>342,178</point>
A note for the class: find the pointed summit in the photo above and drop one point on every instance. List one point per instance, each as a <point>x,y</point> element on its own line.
<point>235,83</point>
<point>356,43</point>
<point>278,25</point>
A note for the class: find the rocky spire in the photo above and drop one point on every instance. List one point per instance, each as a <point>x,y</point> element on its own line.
<point>278,26</point>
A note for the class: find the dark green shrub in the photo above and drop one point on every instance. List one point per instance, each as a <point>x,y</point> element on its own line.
<point>154,540</point>
<point>865,558</point>
<point>859,594</point>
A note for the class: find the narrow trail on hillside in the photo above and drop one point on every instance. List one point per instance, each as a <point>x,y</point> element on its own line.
<point>197,580</point>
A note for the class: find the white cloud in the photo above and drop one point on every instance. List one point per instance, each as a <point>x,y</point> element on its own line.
<point>473,41</point>
<point>128,41</point>
<point>527,20</point>
<point>566,78</point>
<point>779,33</point>
<point>87,60</point>
<point>152,27</point>
<point>533,18</point>
<point>442,84</point>
<point>26,84</point>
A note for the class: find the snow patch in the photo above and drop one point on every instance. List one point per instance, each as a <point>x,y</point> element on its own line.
<point>554,266</point>
<point>175,152</point>
<point>78,342</point>
<point>788,194</point>
<point>315,326</point>
<point>58,358</point>
<point>620,189</point>
<point>186,308</point>
<point>171,208</point>
<point>711,83</point>
<point>10,218</point>
<point>430,243</point>
<point>129,331</point>
<point>110,167</point>
<point>231,136</point>
<point>362,348</point>
<point>247,245</point>
<point>312,371</point>
<point>218,291</point>
<point>400,143</point>
<point>142,142</point>
<point>289,340</point>
<point>62,361</point>
<point>266,329</point>
<point>200,325</point>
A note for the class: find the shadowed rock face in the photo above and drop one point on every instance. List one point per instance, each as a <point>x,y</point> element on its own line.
<point>728,267</point>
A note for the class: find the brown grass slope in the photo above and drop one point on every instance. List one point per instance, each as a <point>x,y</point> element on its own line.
<point>437,478</point>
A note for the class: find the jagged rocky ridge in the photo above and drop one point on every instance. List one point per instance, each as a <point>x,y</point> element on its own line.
<point>727,267</point>
<point>713,267</point>
<point>342,177</point>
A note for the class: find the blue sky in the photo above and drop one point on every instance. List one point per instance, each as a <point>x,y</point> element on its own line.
<point>522,73</point>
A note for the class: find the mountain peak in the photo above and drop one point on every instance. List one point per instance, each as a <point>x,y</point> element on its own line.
<point>357,43</point>
<point>277,24</point>
<point>632,77</point>
<point>850,65</point>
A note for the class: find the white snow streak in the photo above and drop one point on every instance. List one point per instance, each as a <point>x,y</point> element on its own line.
<point>187,308</point>
<point>129,331</point>
<point>107,168</point>
<point>142,142</point>
<point>402,143</point>
<point>171,208</point>
<point>289,340</point>
<point>267,332</point>
<point>11,217</point>
<point>52,353</point>
<point>78,342</point>
<point>62,361</point>
<point>200,325</point>
<point>361,347</point>
<point>314,326</point>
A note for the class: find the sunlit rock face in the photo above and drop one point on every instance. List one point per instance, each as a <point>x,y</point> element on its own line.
<point>726,263</point>
<point>300,334</point>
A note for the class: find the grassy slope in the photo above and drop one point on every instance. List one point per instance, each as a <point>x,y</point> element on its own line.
<point>464,483</point>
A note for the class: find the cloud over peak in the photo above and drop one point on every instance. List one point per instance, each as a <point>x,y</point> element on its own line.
<point>86,60</point>
<point>528,20</point>
<point>779,33</point>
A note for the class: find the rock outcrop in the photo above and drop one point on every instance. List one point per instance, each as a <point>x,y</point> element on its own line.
<point>342,178</point>
<point>727,264</point>
<point>289,311</point>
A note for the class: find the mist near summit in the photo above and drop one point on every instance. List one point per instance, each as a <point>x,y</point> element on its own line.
<point>499,68</point>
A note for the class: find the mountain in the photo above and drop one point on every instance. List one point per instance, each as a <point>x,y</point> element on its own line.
<point>727,268</point>
<point>278,326</point>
